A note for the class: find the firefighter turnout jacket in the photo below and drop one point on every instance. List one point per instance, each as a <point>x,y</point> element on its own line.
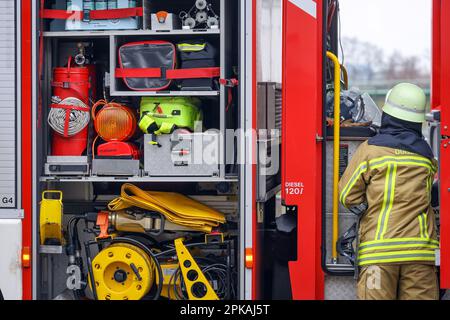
<point>399,224</point>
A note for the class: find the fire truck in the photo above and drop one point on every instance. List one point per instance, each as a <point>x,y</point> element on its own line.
<point>106,105</point>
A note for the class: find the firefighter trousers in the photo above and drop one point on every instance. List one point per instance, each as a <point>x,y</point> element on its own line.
<point>398,282</point>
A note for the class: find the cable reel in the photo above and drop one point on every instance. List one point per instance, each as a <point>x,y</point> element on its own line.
<point>123,271</point>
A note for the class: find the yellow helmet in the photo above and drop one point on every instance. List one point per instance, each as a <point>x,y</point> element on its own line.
<point>407,102</point>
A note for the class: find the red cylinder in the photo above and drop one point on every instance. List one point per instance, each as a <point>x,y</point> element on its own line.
<point>71,82</point>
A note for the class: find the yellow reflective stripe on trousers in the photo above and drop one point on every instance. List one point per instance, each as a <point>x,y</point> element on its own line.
<point>358,172</point>
<point>396,256</point>
<point>389,191</point>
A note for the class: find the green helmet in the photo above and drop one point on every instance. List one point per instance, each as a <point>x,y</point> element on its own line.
<point>407,102</point>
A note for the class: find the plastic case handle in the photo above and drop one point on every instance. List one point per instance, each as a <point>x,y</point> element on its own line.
<point>52,192</point>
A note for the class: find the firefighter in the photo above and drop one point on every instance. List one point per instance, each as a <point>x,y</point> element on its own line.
<point>388,184</point>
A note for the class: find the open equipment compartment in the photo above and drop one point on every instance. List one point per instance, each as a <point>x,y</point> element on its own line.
<point>68,259</point>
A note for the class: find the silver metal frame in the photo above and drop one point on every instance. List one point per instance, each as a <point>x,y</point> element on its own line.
<point>34,93</point>
<point>19,106</point>
<point>15,211</point>
<point>105,34</point>
<point>246,146</point>
<point>11,214</point>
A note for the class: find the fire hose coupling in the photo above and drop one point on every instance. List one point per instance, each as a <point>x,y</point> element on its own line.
<point>127,222</point>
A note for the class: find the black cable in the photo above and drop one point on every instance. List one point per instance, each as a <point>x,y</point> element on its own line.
<point>213,272</point>
<point>91,273</point>
<point>73,248</point>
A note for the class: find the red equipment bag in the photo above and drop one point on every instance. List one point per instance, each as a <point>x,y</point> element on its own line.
<point>151,66</point>
<point>71,82</point>
<point>159,56</point>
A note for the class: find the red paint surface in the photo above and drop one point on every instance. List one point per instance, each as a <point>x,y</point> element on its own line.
<point>255,270</point>
<point>302,154</point>
<point>441,101</point>
<point>26,123</point>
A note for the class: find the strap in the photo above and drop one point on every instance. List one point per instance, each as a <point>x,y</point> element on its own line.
<point>230,84</point>
<point>154,141</point>
<point>61,14</point>
<point>69,107</point>
<point>103,223</point>
<point>147,124</point>
<point>165,128</point>
<point>66,84</point>
<point>93,14</point>
<point>117,13</point>
<point>196,73</point>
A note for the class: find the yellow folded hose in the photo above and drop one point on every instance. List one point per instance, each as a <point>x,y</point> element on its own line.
<point>175,207</point>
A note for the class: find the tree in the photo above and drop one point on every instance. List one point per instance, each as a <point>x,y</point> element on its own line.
<point>366,62</point>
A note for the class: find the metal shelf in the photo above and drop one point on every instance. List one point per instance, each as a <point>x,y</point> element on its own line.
<point>108,33</point>
<point>135,179</point>
<point>165,93</point>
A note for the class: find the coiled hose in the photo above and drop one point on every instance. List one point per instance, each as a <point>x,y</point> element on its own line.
<point>78,119</point>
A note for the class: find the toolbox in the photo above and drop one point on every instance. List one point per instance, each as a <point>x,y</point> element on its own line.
<point>182,154</point>
<point>115,167</point>
<point>67,166</point>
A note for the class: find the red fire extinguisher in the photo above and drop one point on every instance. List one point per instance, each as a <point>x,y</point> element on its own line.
<point>69,114</point>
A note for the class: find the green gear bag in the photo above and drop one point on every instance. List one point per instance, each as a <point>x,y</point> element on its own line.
<point>161,115</point>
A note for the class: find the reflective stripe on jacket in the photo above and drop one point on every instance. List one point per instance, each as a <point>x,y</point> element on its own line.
<point>399,224</point>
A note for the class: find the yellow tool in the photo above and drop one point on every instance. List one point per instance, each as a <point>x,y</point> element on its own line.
<point>50,222</point>
<point>176,208</point>
<point>336,151</point>
<point>123,272</point>
<point>197,286</point>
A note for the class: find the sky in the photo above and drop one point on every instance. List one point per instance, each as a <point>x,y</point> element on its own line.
<point>403,25</point>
